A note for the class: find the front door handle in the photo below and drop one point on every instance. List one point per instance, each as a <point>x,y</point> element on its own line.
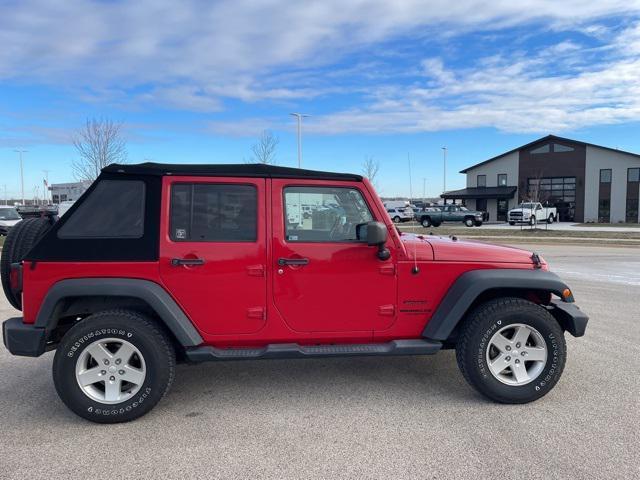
<point>187,261</point>
<point>293,261</point>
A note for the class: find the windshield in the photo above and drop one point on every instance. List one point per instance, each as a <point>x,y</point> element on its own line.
<point>9,214</point>
<point>527,205</point>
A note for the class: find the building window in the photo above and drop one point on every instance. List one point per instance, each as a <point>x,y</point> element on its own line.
<point>633,193</point>
<point>559,192</point>
<point>482,181</point>
<point>604,196</point>
<point>562,148</point>
<point>543,149</point>
<point>502,179</point>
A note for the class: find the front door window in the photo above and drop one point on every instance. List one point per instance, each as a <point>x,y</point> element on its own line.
<point>502,210</point>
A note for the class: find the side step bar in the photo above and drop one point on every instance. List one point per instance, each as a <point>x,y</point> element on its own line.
<point>293,350</point>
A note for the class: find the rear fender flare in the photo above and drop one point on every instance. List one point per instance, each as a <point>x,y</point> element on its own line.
<point>470,285</point>
<point>149,292</point>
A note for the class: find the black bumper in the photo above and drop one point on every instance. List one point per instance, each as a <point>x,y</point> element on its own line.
<point>571,318</point>
<point>23,339</point>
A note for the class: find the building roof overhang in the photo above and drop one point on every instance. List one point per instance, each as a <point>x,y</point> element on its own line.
<point>480,192</point>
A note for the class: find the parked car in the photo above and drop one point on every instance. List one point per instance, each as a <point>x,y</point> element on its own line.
<point>8,218</point>
<point>531,213</point>
<point>148,270</point>
<point>435,216</point>
<point>399,215</point>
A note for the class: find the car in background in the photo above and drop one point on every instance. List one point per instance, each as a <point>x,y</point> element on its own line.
<point>400,215</point>
<point>9,216</point>
<point>435,216</point>
<point>532,213</point>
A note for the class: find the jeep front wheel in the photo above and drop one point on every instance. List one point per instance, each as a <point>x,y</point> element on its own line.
<point>113,366</point>
<point>511,350</point>
<point>426,222</point>
<point>469,222</point>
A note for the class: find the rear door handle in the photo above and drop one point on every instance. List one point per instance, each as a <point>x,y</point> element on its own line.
<point>187,261</point>
<point>293,261</point>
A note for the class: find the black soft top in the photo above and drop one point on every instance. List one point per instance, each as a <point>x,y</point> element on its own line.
<point>227,170</point>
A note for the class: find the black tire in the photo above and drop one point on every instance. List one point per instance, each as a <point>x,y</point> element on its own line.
<point>550,219</point>
<point>396,219</point>
<point>22,237</point>
<point>479,328</point>
<point>436,224</point>
<point>145,335</point>
<point>512,223</point>
<point>469,221</point>
<point>478,223</point>
<point>426,222</point>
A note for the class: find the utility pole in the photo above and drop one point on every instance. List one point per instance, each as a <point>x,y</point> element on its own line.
<point>6,198</point>
<point>21,173</point>
<point>410,183</point>
<point>424,190</point>
<point>444,170</point>
<point>299,117</point>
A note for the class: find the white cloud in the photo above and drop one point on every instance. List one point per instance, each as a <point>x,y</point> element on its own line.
<point>194,55</point>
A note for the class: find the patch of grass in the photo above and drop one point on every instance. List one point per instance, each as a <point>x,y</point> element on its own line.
<point>616,225</point>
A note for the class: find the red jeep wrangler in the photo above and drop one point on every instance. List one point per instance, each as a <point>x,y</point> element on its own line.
<point>163,263</point>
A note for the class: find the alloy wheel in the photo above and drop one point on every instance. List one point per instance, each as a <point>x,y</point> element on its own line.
<point>110,370</point>
<point>516,354</point>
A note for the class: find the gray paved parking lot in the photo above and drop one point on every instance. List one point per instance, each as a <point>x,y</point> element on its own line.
<point>407,417</point>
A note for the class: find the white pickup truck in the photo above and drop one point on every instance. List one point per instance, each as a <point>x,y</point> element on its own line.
<point>532,213</point>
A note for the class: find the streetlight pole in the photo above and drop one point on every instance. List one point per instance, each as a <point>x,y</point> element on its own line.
<point>299,117</point>
<point>21,174</point>
<point>424,190</point>
<point>444,170</point>
<point>410,183</point>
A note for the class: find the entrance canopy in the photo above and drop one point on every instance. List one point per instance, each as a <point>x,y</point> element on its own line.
<point>480,192</point>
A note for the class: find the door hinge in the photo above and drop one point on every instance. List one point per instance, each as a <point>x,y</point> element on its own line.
<point>387,310</point>
<point>259,313</point>
<point>255,270</point>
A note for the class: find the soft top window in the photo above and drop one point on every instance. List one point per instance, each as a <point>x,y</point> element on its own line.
<point>113,209</point>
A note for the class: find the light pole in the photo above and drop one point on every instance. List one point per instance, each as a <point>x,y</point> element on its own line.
<point>410,183</point>
<point>299,117</point>
<point>21,174</point>
<point>444,170</point>
<point>424,190</point>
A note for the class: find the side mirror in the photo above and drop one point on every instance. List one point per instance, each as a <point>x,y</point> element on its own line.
<point>376,235</point>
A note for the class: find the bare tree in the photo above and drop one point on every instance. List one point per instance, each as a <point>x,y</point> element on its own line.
<point>264,150</point>
<point>535,193</point>
<point>370,168</point>
<point>98,143</point>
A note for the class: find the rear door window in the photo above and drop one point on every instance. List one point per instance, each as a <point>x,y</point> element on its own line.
<point>202,212</point>
<point>114,209</point>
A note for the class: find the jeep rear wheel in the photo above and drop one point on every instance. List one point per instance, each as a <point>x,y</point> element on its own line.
<point>113,366</point>
<point>511,350</point>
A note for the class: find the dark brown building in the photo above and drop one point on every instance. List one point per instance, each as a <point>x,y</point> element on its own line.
<point>585,182</point>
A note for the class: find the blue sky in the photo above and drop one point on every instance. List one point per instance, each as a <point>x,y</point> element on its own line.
<point>198,81</point>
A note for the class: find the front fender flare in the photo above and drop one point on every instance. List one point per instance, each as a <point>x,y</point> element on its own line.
<point>153,294</point>
<point>466,289</point>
